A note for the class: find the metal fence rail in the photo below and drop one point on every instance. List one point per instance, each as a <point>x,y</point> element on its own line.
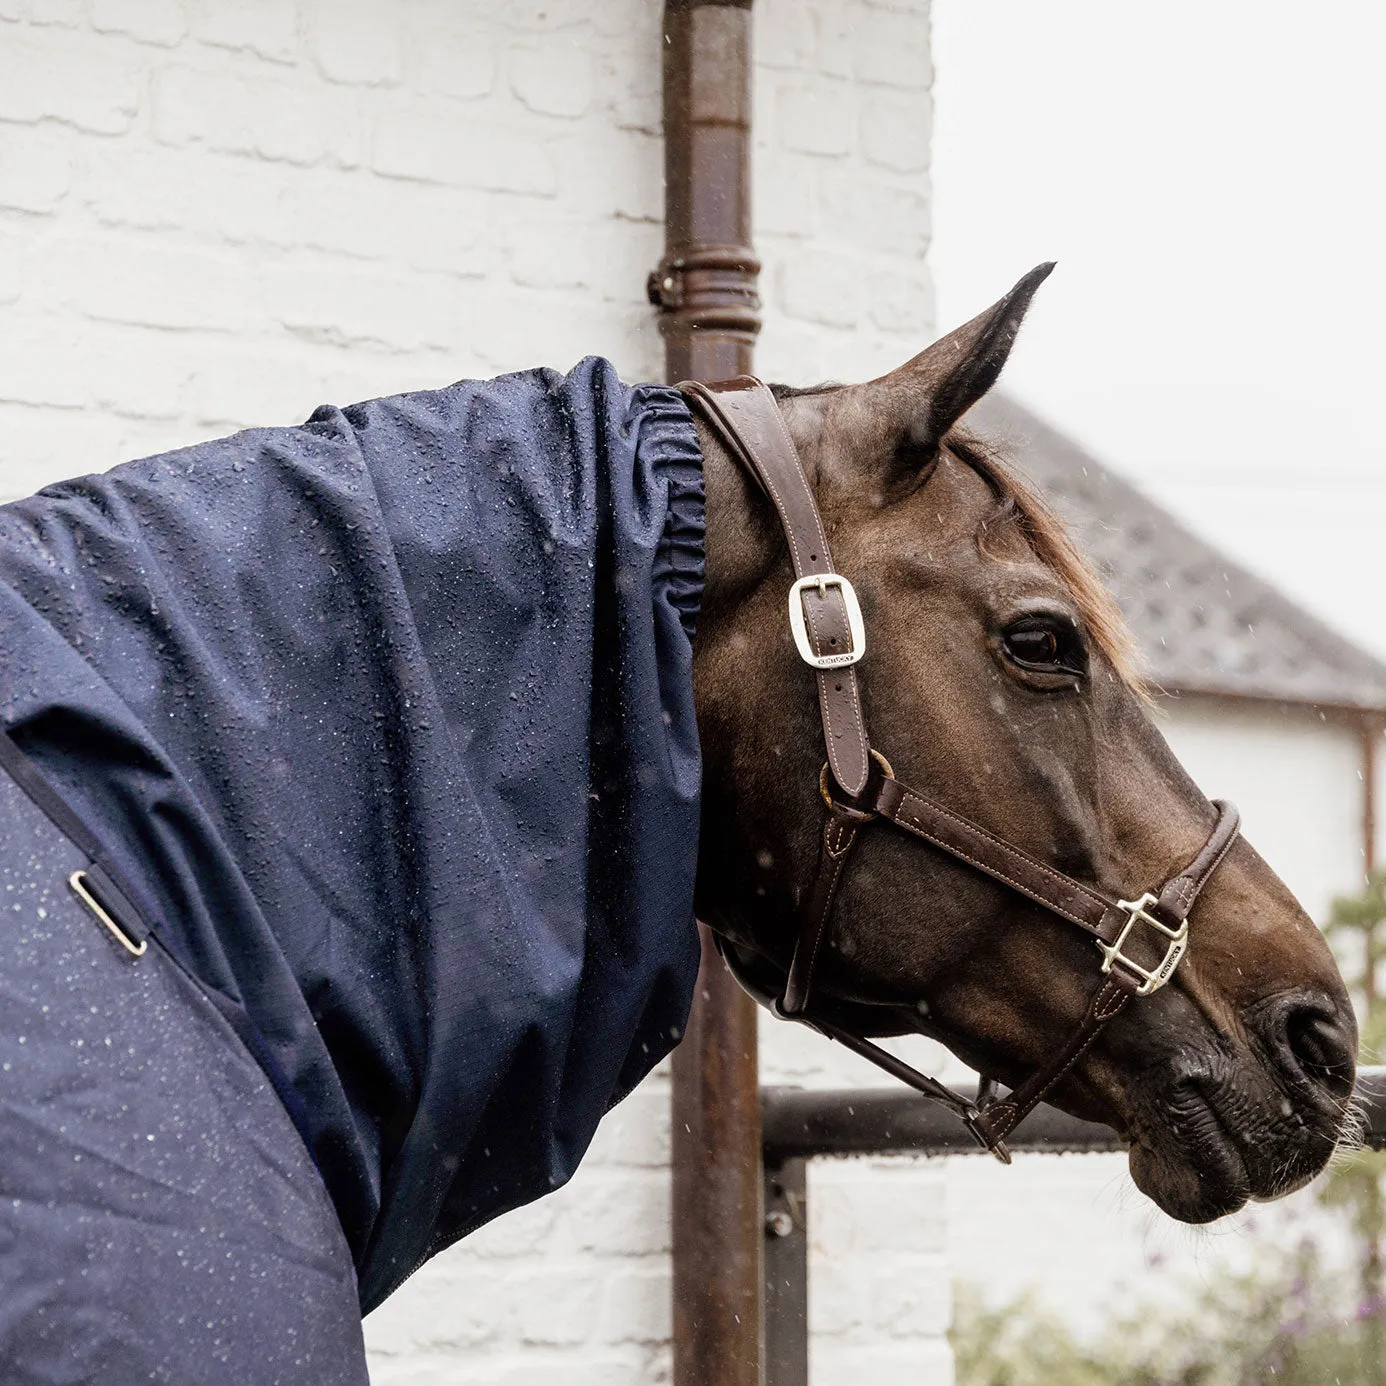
<point>801,1125</point>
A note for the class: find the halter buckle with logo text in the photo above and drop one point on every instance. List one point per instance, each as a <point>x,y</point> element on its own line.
<point>799,625</point>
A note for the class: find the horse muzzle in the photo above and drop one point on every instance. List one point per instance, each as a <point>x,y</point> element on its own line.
<point>1254,1120</point>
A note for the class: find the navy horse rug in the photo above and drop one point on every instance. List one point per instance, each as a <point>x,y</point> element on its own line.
<point>349,840</point>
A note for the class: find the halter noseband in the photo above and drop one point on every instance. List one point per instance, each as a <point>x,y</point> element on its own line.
<point>828,632</point>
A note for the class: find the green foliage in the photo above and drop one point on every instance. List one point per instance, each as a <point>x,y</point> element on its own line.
<point>1287,1327</point>
<point>1019,1344</point>
<point>1357,925</point>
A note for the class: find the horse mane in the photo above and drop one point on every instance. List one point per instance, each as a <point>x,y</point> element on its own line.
<point>1022,508</point>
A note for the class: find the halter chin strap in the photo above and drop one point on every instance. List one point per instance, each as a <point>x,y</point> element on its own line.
<point>826,621</point>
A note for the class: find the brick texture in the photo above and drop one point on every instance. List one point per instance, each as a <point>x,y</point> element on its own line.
<point>219,213</point>
<point>842,118</point>
<point>216,213</point>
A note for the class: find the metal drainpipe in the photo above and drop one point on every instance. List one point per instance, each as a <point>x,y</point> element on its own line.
<point>705,289</point>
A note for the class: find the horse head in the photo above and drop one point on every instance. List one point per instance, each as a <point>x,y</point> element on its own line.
<point>999,676</point>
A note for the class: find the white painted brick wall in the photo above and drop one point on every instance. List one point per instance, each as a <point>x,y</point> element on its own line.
<point>842,120</point>
<point>216,213</point>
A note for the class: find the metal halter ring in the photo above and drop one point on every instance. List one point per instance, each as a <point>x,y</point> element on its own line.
<point>827,793</point>
<point>1152,978</point>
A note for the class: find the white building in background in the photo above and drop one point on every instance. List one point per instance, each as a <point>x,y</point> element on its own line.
<point>1264,704</point>
<point>217,213</point>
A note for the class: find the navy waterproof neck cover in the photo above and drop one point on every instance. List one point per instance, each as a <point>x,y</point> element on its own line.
<point>389,720</point>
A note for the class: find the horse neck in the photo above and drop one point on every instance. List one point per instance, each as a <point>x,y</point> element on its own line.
<point>742,540</point>
<point>742,812</point>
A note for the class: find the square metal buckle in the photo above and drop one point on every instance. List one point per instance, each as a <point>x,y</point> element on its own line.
<point>798,624</point>
<point>1155,978</point>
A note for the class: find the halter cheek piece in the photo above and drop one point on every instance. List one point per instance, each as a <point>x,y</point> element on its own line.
<point>827,626</point>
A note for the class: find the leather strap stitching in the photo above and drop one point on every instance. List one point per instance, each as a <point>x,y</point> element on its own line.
<point>793,454</point>
<point>967,823</point>
<point>1100,1013</point>
<point>990,869</point>
<point>851,776</point>
<point>839,836</point>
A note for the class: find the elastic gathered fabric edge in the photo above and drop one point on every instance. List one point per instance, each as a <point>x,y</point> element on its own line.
<point>669,442</point>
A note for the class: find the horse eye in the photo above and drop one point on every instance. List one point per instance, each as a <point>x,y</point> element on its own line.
<point>1044,645</point>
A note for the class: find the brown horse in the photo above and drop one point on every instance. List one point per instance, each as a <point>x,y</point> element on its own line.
<point>1000,677</point>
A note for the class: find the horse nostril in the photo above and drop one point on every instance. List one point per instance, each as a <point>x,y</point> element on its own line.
<point>1320,1048</point>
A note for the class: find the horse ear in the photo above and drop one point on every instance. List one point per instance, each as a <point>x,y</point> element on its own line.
<point>935,389</point>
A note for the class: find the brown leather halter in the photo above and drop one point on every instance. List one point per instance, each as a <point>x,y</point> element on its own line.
<point>828,631</point>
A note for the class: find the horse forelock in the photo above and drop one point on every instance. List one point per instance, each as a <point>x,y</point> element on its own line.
<point>1021,508</point>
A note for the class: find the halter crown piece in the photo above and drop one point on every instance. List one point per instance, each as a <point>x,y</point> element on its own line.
<point>826,622</point>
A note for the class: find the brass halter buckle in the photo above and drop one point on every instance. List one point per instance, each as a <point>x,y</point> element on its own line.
<point>1137,911</point>
<point>798,624</point>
